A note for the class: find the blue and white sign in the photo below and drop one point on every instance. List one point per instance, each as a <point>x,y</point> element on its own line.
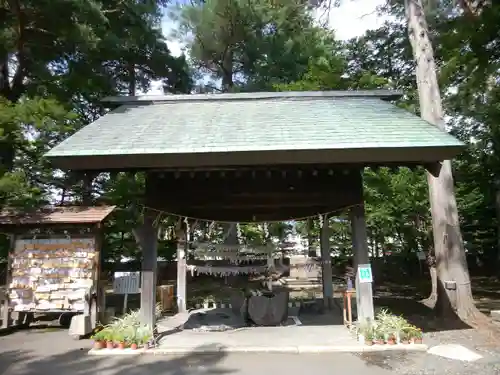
<point>365,273</point>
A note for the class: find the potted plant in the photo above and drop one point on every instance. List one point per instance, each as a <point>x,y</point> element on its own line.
<point>399,325</point>
<point>108,337</point>
<point>129,336</point>
<point>369,336</point>
<point>391,339</point>
<point>417,336</point>
<point>379,336</point>
<point>143,335</point>
<point>100,339</point>
<point>134,343</point>
<point>119,339</point>
<point>404,337</point>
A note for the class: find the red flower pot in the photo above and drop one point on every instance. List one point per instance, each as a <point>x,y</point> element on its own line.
<point>99,344</point>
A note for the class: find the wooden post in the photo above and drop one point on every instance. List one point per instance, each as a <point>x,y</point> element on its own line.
<point>364,293</point>
<point>97,311</point>
<point>181,274</point>
<point>311,248</point>
<point>149,244</point>
<point>8,274</point>
<point>326,264</point>
<point>270,269</point>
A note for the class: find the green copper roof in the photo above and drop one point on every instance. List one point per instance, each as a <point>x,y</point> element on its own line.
<point>331,126</point>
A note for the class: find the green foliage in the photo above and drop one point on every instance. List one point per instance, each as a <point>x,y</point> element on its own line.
<point>60,58</point>
<point>251,45</point>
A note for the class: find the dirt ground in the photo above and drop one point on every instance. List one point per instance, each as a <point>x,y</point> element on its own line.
<point>402,298</point>
<point>50,350</point>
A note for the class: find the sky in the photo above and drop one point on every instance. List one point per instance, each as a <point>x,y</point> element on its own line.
<point>349,20</point>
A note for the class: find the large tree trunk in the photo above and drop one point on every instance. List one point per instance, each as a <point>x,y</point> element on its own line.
<point>227,71</point>
<point>497,211</point>
<point>431,263</point>
<point>451,263</point>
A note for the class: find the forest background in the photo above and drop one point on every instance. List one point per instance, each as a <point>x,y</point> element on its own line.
<point>55,66</point>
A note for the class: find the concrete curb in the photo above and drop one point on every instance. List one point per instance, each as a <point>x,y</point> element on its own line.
<point>265,349</point>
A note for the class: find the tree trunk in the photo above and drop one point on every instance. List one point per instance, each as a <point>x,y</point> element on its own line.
<point>132,79</point>
<point>227,71</point>
<point>497,211</point>
<point>87,190</point>
<point>451,263</point>
<point>431,263</point>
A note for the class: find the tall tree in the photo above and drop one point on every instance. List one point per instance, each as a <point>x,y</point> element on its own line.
<point>451,263</point>
<point>72,54</point>
<point>249,45</point>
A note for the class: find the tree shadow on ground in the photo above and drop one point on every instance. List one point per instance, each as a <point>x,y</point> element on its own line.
<point>77,362</point>
<point>486,287</point>
<point>406,299</point>
<point>417,314</point>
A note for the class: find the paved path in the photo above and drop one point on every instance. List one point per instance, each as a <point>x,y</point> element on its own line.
<point>42,352</point>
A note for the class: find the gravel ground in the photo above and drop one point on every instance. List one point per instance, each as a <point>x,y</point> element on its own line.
<point>426,364</point>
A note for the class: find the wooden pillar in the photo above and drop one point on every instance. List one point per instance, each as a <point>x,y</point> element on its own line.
<point>326,264</point>
<point>364,292</point>
<point>100,285</point>
<point>149,245</point>
<point>8,279</point>
<point>311,248</point>
<point>182,250</point>
<point>232,235</point>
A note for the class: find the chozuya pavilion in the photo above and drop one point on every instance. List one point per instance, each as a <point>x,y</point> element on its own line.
<point>254,157</point>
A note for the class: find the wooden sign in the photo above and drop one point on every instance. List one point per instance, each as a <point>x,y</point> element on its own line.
<point>126,282</point>
<point>57,272</point>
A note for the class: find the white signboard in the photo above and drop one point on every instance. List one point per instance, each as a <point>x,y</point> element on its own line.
<point>365,273</point>
<point>126,282</point>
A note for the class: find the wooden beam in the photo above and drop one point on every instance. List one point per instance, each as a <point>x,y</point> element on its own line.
<point>20,229</point>
<point>260,184</point>
<point>258,206</point>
